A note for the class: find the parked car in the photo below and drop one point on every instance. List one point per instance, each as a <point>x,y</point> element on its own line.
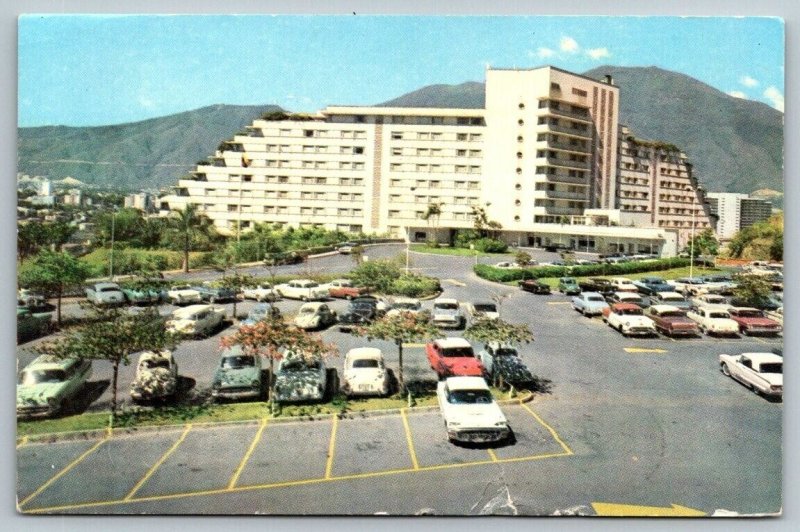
<point>483,309</point>
<point>507,265</point>
<point>238,376</point>
<point>533,286</point>
<point>689,285</point>
<point>713,320</point>
<point>283,258</point>
<point>569,286</point>
<point>453,356</point>
<point>589,303</point>
<point>381,305</point>
<point>776,315</point>
<point>627,297</point>
<point>359,312</point>
<point>196,320</point>
<point>670,298</point>
<point>30,300</point>
<point>314,316</point>
<point>300,378</point>
<point>30,325</point>
<point>597,284</point>
<point>261,292</point>
<point>718,284</point>
<point>405,304</point>
<point>764,303</point>
<point>346,248</point>
<point>153,293</point>
<point>156,376</point>
<point>623,284</point>
<point>710,300</point>
<point>630,320</point>
<point>365,372</point>
<point>470,412</point>
<point>183,294</point>
<point>503,363</point>
<point>761,372</point>
<point>343,288</point>
<point>651,285</point>
<point>48,385</point>
<point>447,313</point>
<point>753,321</point>
<point>260,312</point>
<point>672,321</point>
<point>212,293</point>
<point>105,294</point>
<point>302,289</point>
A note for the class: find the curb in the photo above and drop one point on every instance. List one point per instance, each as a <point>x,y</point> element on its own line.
<point>94,434</point>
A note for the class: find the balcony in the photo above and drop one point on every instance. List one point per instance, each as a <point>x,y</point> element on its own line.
<point>568,147</point>
<point>567,114</point>
<point>566,163</point>
<point>557,210</point>
<point>550,178</point>
<point>562,194</point>
<point>585,134</point>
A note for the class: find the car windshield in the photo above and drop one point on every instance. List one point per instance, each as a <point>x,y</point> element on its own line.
<point>366,363</point>
<point>308,310</point>
<point>631,312</point>
<point>772,367</point>
<point>671,298</point>
<point>718,299</point>
<point>40,376</point>
<point>258,313</point>
<point>469,397</point>
<point>595,298</point>
<point>239,361</point>
<point>109,289</point>
<point>485,307</point>
<point>299,364</point>
<point>505,352</point>
<point>153,364</point>
<point>671,314</point>
<point>446,306</point>
<point>750,314</point>
<point>310,285</point>
<point>719,315</point>
<point>453,352</point>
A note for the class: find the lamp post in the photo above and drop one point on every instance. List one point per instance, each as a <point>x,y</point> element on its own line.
<point>408,246</point>
<point>111,254</point>
<point>694,191</point>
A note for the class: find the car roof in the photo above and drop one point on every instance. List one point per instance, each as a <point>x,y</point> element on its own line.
<point>106,285</point>
<point>151,355</point>
<point>405,300</point>
<point>587,294</point>
<point>763,357</point>
<point>665,308</point>
<point>467,383</point>
<point>452,342</point>
<point>51,362</point>
<point>191,309</point>
<point>313,304</point>
<point>671,294</point>
<point>364,352</point>
<point>625,306</point>
<point>628,295</point>
<point>445,300</point>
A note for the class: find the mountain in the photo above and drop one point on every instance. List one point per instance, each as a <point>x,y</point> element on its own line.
<point>147,154</point>
<point>736,145</point>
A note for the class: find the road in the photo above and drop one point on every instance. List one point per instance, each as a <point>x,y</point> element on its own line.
<point>642,423</point>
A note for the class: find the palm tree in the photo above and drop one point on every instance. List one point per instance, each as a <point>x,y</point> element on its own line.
<point>433,212</point>
<point>190,224</point>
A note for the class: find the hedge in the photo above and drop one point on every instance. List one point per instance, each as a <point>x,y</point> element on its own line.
<point>501,275</point>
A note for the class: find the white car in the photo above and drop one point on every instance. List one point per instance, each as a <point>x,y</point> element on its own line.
<point>447,313</point>
<point>302,289</point>
<point>776,315</point>
<point>261,293</point>
<point>365,372</point>
<point>483,309</point>
<point>761,372</point>
<point>470,412</point>
<point>196,320</point>
<point>183,294</point>
<point>314,316</point>
<point>404,304</point>
<point>156,376</point>
<point>624,285</point>
<point>688,285</point>
<point>629,319</point>
<point>105,294</point>
<point>710,300</point>
<point>713,320</point>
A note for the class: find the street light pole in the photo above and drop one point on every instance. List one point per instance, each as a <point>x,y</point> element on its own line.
<point>111,254</point>
<point>694,219</point>
<point>408,246</point>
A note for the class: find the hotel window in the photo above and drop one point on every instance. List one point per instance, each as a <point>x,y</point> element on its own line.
<point>435,184</point>
<point>306,195</point>
<point>436,168</point>
<point>308,132</point>
<point>423,136</point>
<point>420,199</point>
<point>344,212</point>
<point>319,195</point>
<point>397,151</point>
<point>233,208</point>
<point>474,153</point>
<point>397,135</point>
<point>357,212</point>
<point>343,165</point>
<point>358,150</point>
<point>283,210</point>
<point>474,184</point>
<point>474,169</point>
<point>394,183</point>
<point>360,135</point>
<point>475,136</point>
<point>283,194</point>
<point>461,136</point>
<point>305,210</point>
<point>436,136</point>
<point>321,180</point>
<point>423,151</point>
<point>358,182</point>
<point>319,210</point>
<point>394,197</point>
<point>461,169</point>
<point>285,132</point>
<point>423,168</point>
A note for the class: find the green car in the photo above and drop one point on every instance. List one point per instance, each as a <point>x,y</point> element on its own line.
<point>141,295</point>
<point>238,376</point>
<point>49,384</point>
<point>569,286</point>
<point>30,325</point>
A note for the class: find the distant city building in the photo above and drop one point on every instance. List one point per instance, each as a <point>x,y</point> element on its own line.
<point>73,197</point>
<point>141,201</point>
<point>45,188</point>
<point>546,158</point>
<point>736,212</point>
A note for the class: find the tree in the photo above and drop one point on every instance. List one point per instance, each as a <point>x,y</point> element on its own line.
<point>522,258</point>
<point>433,212</point>
<point>752,289</point>
<point>705,243</point>
<point>236,282</point>
<point>189,225</point>
<point>376,275</point>
<point>113,334</point>
<point>400,328</point>
<point>31,237</point>
<point>51,273</point>
<point>271,337</point>
<point>486,330</point>
<point>760,241</point>
<point>483,225</point>
<point>357,254</point>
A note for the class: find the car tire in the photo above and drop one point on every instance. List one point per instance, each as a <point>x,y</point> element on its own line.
<point>725,369</point>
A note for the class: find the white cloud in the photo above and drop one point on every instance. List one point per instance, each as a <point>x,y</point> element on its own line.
<point>747,81</point>
<point>569,45</point>
<point>775,97</point>
<point>598,53</point>
<point>545,52</point>
<point>737,94</point>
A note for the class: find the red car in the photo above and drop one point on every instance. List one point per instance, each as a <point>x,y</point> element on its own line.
<point>342,288</point>
<point>672,321</point>
<point>753,321</point>
<point>453,357</point>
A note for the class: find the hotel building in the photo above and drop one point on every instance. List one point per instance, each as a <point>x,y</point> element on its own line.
<point>546,158</point>
<point>736,212</point>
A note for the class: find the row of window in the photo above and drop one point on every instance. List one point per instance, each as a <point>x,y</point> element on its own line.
<point>551,154</point>
<point>682,223</point>
<point>458,200</point>
<point>635,166</point>
<point>312,133</point>
<point>674,210</point>
<point>635,181</point>
<point>289,209</point>
<point>458,216</point>
<point>627,207</point>
<point>435,135</point>
<point>676,199</point>
<point>632,194</point>
<point>308,195</point>
<point>553,171</point>
<point>437,152</point>
<point>314,148</point>
<point>435,168</point>
<point>422,183</point>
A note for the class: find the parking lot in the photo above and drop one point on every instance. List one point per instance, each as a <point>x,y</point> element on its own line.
<point>646,421</point>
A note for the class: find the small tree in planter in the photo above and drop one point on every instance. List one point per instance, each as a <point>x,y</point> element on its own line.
<point>51,273</point>
<point>522,258</point>
<point>271,337</point>
<point>236,282</point>
<point>400,328</point>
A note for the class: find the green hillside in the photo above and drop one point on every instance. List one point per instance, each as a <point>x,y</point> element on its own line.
<point>147,154</point>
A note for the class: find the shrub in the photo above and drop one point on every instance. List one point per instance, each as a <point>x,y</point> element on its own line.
<point>413,285</point>
<point>490,245</point>
<point>376,275</point>
<point>500,275</point>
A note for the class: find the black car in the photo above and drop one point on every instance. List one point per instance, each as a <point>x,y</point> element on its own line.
<point>282,258</point>
<point>764,303</point>
<point>360,312</point>
<point>595,284</point>
<point>535,287</point>
<point>505,368</point>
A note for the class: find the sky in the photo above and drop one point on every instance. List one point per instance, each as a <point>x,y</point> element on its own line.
<point>85,70</point>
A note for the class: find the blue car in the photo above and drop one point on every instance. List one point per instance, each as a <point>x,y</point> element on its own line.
<point>589,303</point>
<point>261,312</point>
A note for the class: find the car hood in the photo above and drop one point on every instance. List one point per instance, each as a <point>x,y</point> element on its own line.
<point>353,317</point>
<point>480,415</point>
<point>181,325</point>
<point>306,319</point>
<point>512,369</point>
<point>444,313</point>
<point>463,365</point>
<point>364,374</point>
<point>681,323</point>
<point>758,322</point>
<point>596,304</point>
<point>235,377</point>
<point>37,394</point>
<point>154,381</point>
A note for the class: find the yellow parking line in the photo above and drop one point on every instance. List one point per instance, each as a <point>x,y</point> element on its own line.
<point>492,455</point>
<point>246,457</point>
<point>155,466</point>
<point>64,471</point>
<point>409,439</point>
<point>331,448</point>
<point>549,428</point>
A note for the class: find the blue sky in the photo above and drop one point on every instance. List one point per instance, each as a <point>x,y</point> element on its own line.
<point>95,70</point>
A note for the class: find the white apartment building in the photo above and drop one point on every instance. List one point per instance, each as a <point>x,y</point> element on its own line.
<point>542,152</point>
<point>736,212</point>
